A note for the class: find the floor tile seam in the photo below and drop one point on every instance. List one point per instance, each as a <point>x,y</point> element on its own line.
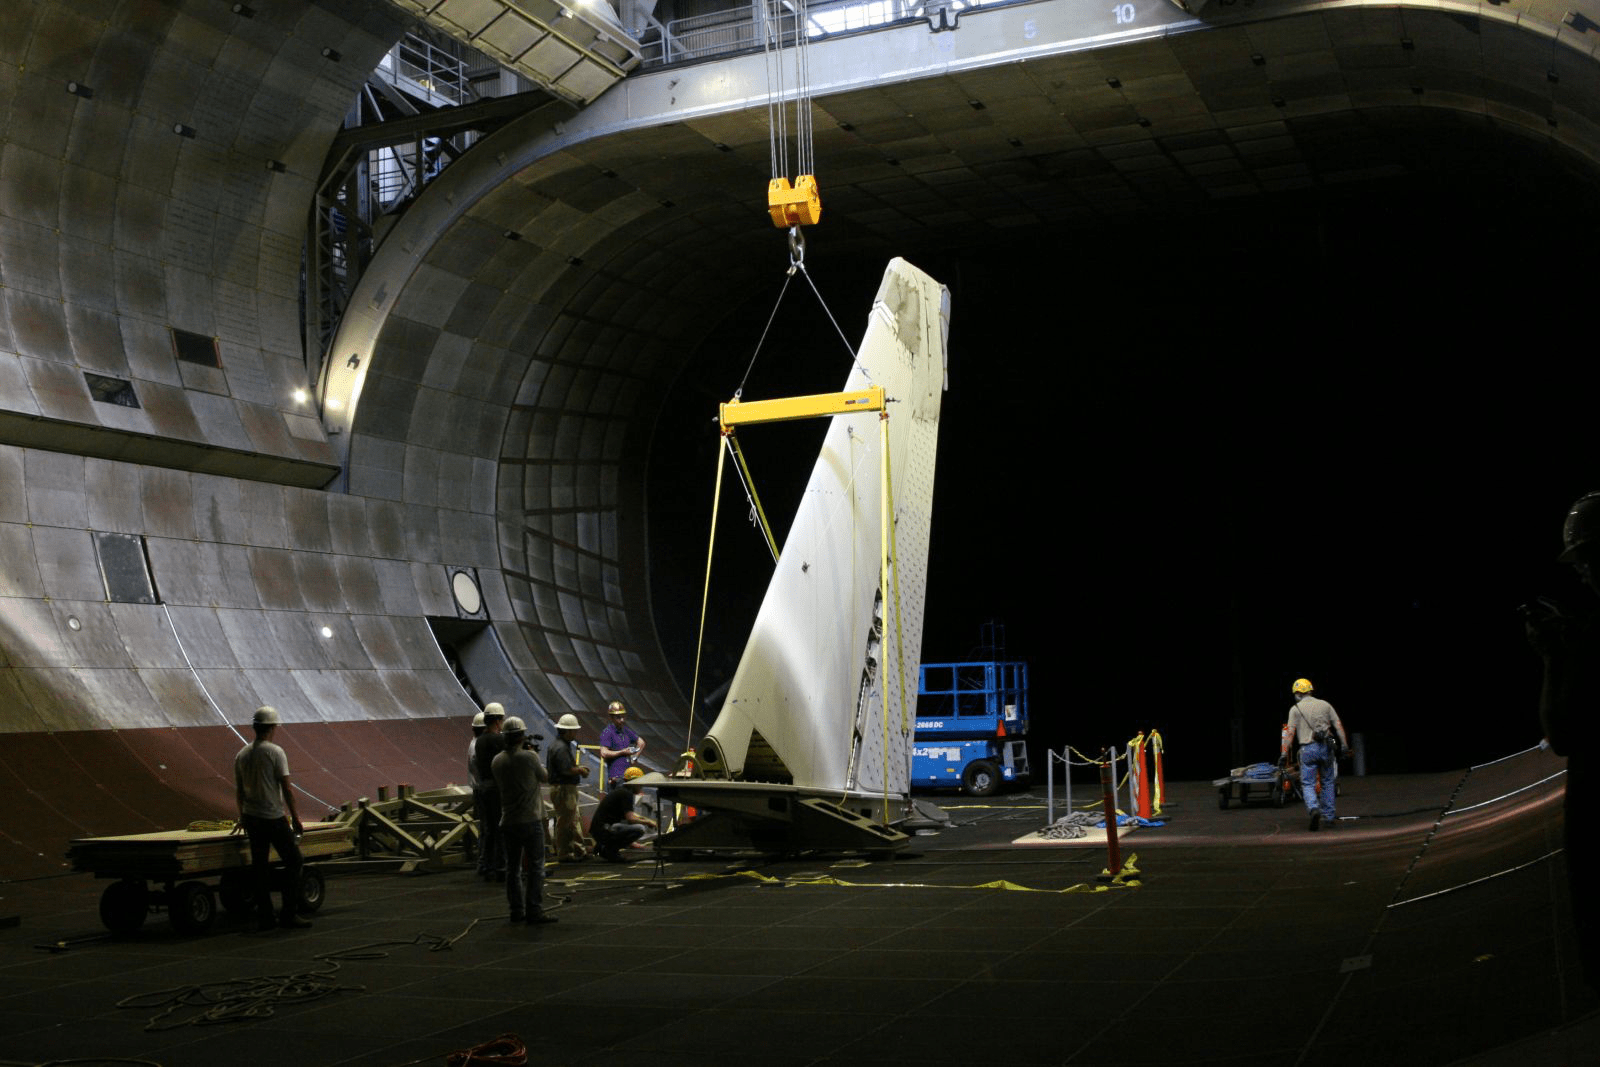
<point>887,1022</point>
<point>1155,987</point>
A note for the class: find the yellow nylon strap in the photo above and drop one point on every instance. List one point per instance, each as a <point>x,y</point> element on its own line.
<point>1127,878</point>
<point>894,543</point>
<point>1155,776</point>
<point>883,589</point>
<point>705,599</point>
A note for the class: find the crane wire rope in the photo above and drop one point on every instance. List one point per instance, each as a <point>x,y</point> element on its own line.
<point>772,38</point>
<point>705,600</point>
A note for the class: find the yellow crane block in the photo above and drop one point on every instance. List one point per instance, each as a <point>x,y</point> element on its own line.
<point>799,204</point>
<point>744,413</point>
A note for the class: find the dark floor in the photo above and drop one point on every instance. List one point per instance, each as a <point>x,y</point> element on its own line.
<point>1249,940</point>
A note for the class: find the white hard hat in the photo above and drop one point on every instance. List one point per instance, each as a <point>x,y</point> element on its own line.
<point>568,721</point>
<point>477,720</point>
<point>513,725</point>
<point>266,715</point>
<point>495,710</point>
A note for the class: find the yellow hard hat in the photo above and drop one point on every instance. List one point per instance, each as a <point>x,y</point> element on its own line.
<point>616,708</point>
<point>1302,685</point>
<point>631,773</point>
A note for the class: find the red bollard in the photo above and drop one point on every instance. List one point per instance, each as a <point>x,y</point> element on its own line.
<point>1106,786</point>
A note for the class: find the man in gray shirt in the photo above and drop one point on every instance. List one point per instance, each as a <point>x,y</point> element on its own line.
<point>518,774</point>
<point>1314,726</point>
<point>267,813</point>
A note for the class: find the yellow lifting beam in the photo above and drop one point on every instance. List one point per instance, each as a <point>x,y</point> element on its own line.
<point>745,413</point>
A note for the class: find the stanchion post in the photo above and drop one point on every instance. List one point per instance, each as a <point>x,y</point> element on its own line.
<point>1108,785</point>
<point>1050,788</point>
<point>1066,770</point>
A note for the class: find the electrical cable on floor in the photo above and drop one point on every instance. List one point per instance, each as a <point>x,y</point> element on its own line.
<point>258,997</point>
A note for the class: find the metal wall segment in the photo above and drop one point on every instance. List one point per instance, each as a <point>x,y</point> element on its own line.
<point>249,575</point>
<point>157,162</point>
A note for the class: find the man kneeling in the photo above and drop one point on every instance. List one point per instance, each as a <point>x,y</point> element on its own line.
<point>615,824</point>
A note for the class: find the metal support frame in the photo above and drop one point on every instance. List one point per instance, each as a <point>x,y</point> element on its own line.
<point>429,828</point>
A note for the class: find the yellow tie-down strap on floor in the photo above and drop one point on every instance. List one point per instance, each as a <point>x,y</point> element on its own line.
<point>1127,878</point>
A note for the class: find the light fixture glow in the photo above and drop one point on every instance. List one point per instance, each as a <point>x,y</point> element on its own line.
<point>326,631</point>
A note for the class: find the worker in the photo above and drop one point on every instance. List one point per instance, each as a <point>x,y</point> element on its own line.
<point>615,825</point>
<point>518,775</point>
<point>1568,641</point>
<point>620,744</point>
<point>267,814</point>
<point>486,798</point>
<point>1315,726</point>
<point>565,774</point>
<point>472,777</point>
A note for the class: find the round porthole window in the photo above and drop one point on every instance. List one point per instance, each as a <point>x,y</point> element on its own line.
<point>468,598</point>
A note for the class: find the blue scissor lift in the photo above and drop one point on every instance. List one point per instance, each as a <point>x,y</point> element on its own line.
<point>971,721</point>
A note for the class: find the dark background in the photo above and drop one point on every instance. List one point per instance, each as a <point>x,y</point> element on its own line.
<point>1189,456</point>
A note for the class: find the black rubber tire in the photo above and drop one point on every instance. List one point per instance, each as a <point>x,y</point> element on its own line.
<point>191,908</point>
<point>313,890</point>
<point>124,905</point>
<point>981,778</point>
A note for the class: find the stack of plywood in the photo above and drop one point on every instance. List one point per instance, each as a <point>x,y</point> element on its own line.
<point>189,853</point>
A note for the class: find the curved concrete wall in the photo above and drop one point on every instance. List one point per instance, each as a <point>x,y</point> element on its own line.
<point>517,348</point>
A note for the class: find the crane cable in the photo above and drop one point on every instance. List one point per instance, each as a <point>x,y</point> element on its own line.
<point>772,38</point>
<point>796,203</point>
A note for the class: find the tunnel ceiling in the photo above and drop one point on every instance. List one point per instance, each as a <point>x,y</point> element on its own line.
<point>546,324</point>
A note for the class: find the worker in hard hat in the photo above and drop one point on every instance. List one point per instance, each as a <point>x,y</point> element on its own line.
<point>1315,727</point>
<point>615,825</point>
<point>472,777</point>
<point>267,813</point>
<point>519,775</point>
<point>565,775</point>
<point>620,744</point>
<point>1567,638</point>
<point>488,745</point>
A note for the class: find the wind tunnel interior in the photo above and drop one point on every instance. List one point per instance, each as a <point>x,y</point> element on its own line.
<point>529,412</point>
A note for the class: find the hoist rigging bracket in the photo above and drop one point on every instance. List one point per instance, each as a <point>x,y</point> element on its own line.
<point>799,204</point>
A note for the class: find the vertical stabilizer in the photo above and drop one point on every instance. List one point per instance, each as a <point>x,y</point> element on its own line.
<point>825,694</point>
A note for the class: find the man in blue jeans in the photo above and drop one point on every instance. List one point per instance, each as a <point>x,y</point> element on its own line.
<point>1315,725</point>
<point>519,774</point>
<point>267,814</point>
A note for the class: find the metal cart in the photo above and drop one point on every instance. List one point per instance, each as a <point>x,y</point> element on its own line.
<point>188,872</point>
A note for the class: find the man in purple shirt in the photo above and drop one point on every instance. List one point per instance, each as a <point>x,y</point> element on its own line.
<point>620,745</point>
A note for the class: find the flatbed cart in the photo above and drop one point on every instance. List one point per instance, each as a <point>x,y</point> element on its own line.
<point>1243,785</point>
<point>189,871</point>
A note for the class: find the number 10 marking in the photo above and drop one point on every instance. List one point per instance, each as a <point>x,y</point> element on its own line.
<point>1124,13</point>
